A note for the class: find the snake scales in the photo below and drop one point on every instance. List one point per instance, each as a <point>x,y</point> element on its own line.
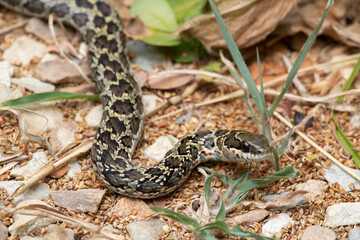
<point>123,113</point>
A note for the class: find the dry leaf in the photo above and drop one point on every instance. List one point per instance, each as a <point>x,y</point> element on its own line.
<point>249,22</point>
<point>168,82</point>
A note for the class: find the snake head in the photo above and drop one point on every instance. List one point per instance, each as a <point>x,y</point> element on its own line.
<point>246,147</point>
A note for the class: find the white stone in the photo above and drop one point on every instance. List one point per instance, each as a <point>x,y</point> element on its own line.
<point>83,49</point>
<point>50,57</point>
<point>314,187</point>
<point>23,50</point>
<point>58,232</point>
<point>342,214</point>
<point>318,233</point>
<point>150,102</point>
<point>93,118</point>
<point>6,72</point>
<point>145,230</point>
<point>24,224</point>
<point>34,84</point>
<point>5,92</point>
<point>30,238</point>
<point>146,55</point>
<point>38,160</point>
<point>355,119</point>
<point>75,167</point>
<point>354,234</point>
<point>39,191</point>
<point>335,174</point>
<point>160,147</point>
<point>275,224</point>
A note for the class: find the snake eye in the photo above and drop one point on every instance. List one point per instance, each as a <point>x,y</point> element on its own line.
<point>245,147</point>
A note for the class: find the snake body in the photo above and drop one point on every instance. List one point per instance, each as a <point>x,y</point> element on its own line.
<point>123,112</point>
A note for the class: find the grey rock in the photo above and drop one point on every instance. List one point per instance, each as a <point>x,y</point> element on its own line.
<point>33,84</point>
<point>275,224</point>
<point>335,174</point>
<point>23,50</point>
<point>75,167</point>
<point>58,232</point>
<point>24,224</point>
<point>145,55</point>
<point>84,200</point>
<point>38,160</point>
<point>145,230</point>
<point>354,234</point>
<point>296,202</point>
<point>342,214</point>
<point>3,231</point>
<point>39,191</point>
<point>318,233</point>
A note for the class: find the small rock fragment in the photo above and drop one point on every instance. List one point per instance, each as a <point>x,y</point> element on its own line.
<point>24,224</point>
<point>256,215</point>
<point>93,118</point>
<point>296,202</point>
<point>131,207</point>
<point>31,238</point>
<point>5,92</point>
<point>3,231</point>
<point>40,29</point>
<point>58,232</point>
<point>34,84</point>
<point>150,102</point>
<point>342,214</point>
<point>60,71</point>
<point>84,200</point>
<point>275,224</point>
<point>38,160</point>
<point>314,187</point>
<point>335,174</point>
<point>75,167</point>
<point>145,230</point>
<point>145,55</point>
<point>6,72</point>
<point>354,234</point>
<point>160,147</point>
<point>355,119</point>
<point>39,191</point>
<point>23,50</point>
<point>318,233</point>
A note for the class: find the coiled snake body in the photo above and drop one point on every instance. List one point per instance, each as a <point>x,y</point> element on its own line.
<point>123,113</point>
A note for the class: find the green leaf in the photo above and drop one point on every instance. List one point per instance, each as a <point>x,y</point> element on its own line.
<point>207,188</point>
<point>289,172</point>
<point>225,179</point>
<point>45,96</point>
<point>186,9</point>
<point>220,216</point>
<point>238,59</point>
<point>299,60</point>
<point>285,142</point>
<point>155,14</point>
<point>213,66</point>
<point>161,39</point>
<point>186,51</point>
<point>219,225</point>
<point>178,217</point>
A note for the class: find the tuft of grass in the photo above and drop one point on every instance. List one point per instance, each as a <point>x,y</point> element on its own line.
<point>345,142</point>
<point>237,190</point>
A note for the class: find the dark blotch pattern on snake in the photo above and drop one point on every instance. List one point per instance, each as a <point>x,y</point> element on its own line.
<point>123,114</point>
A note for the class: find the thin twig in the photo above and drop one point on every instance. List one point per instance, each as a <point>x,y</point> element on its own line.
<point>61,52</point>
<point>312,143</point>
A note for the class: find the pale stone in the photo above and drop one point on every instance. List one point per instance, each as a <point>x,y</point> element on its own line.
<point>150,102</point>
<point>318,233</point>
<point>24,224</point>
<point>3,231</point>
<point>145,230</point>
<point>58,232</point>
<point>38,160</point>
<point>335,174</point>
<point>23,50</point>
<point>342,214</point>
<point>131,207</point>
<point>33,84</point>
<point>354,234</point>
<point>314,187</point>
<point>93,118</point>
<point>5,92</point>
<point>160,147</point>
<point>84,200</point>
<point>275,224</point>
<point>6,72</point>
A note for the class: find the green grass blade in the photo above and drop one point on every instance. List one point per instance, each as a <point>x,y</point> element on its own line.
<point>350,81</point>
<point>45,96</point>
<point>260,77</point>
<point>285,142</point>
<point>289,172</point>
<point>178,217</point>
<point>238,59</point>
<point>207,188</point>
<point>225,179</point>
<point>219,225</point>
<point>299,60</point>
<point>221,215</point>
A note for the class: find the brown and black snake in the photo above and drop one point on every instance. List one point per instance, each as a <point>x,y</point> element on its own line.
<point>123,111</point>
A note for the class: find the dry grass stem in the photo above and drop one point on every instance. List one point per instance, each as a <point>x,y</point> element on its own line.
<point>299,86</point>
<point>61,52</point>
<point>49,168</point>
<point>312,143</point>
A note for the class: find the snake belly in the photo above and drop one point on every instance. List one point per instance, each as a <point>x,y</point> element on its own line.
<point>123,112</point>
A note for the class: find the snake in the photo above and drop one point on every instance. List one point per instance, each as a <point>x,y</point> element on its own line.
<point>122,119</point>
